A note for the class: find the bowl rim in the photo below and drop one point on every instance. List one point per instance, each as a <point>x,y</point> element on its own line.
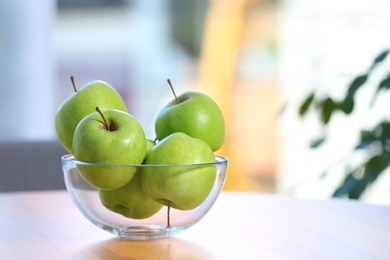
<point>69,158</point>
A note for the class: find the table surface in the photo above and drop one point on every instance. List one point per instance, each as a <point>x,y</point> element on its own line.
<point>47,225</point>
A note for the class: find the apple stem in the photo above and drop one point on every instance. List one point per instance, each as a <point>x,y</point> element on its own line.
<point>169,214</point>
<point>173,91</point>
<point>73,83</point>
<point>106,125</point>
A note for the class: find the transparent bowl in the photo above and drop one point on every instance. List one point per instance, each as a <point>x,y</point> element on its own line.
<point>167,221</point>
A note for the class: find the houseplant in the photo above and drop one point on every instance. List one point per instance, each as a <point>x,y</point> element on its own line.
<point>374,142</point>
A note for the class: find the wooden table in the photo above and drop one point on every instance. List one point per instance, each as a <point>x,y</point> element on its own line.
<point>46,225</point>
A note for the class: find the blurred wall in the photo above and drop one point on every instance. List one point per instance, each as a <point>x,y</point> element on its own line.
<point>26,69</point>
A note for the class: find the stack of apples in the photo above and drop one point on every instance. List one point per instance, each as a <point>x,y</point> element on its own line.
<point>94,125</point>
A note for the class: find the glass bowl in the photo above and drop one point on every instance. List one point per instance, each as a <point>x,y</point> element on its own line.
<point>166,221</point>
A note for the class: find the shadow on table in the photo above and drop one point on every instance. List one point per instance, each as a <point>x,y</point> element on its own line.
<point>169,248</point>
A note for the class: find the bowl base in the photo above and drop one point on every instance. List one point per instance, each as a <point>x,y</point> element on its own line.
<point>164,223</point>
<point>142,232</point>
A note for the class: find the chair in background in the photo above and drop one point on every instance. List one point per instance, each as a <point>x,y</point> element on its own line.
<point>31,166</point>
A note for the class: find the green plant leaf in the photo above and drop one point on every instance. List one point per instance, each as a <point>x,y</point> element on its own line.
<point>373,168</point>
<point>347,105</point>
<point>379,134</point>
<point>356,84</point>
<point>353,187</point>
<point>346,187</point>
<point>381,57</point>
<point>306,104</point>
<point>380,128</point>
<point>383,85</point>
<point>382,132</point>
<point>366,135</point>
<point>366,139</point>
<point>317,142</point>
<point>328,107</point>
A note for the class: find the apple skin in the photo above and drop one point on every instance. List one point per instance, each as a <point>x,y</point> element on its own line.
<point>149,146</point>
<point>196,115</point>
<point>82,103</point>
<point>130,200</point>
<point>125,143</point>
<point>177,185</point>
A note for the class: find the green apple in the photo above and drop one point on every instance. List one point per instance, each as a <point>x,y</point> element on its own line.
<point>109,137</point>
<point>173,181</point>
<point>195,114</point>
<point>149,146</point>
<point>130,200</point>
<point>81,103</point>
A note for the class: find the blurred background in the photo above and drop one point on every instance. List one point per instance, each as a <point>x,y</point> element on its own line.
<point>256,58</point>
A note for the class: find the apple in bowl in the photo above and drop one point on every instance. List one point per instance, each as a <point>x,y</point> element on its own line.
<point>195,114</point>
<point>136,187</point>
<point>80,104</point>
<point>110,137</point>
